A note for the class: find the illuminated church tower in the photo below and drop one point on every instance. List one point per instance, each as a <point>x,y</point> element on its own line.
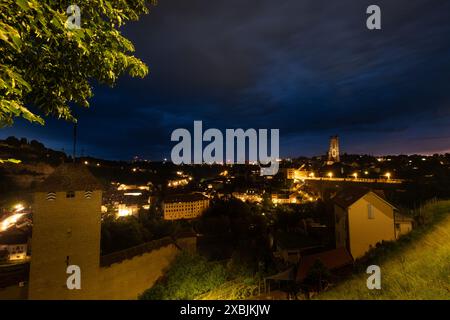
<point>66,231</point>
<point>333,152</point>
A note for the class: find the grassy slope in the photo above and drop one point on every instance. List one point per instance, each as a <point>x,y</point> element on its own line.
<point>417,269</point>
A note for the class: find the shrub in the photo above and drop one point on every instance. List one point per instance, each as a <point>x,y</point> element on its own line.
<point>189,276</point>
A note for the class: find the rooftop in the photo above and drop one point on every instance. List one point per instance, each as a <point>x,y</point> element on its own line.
<point>332,260</point>
<point>189,197</point>
<point>347,197</point>
<point>69,177</point>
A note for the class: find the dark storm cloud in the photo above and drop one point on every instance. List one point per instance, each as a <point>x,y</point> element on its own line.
<point>309,68</point>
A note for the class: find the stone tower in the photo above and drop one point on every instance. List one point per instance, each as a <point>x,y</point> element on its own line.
<point>333,152</point>
<point>66,231</point>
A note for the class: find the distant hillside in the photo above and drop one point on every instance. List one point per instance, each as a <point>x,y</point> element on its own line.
<point>417,267</point>
<point>29,151</point>
<point>36,162</point>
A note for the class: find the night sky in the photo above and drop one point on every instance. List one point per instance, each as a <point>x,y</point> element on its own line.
<point>310,68</point>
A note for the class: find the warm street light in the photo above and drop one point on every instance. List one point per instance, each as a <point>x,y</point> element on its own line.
<point>388,175</point>
<point>19,207</point>
<point>10,221</point>
<point>355,175</point>
<point>330,174</point>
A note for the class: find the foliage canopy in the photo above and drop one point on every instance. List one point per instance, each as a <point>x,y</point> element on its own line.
<point>46,67</point>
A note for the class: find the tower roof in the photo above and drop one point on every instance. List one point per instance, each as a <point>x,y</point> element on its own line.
<point>69,177</point>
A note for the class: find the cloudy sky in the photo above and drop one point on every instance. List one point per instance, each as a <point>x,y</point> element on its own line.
<point>310,68</point>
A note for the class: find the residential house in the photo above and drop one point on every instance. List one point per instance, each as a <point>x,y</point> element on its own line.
<point>334,260</point>
<point>403,224</point>
<point>363,218</point>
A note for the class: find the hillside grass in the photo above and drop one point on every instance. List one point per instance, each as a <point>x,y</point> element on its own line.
<point>241,288</point>
<point>417,266</point>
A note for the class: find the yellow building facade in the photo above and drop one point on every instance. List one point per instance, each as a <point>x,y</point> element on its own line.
<point>185,206</point>
<point>362,219</point>
<point>66,231</point>
<point>403,225</point>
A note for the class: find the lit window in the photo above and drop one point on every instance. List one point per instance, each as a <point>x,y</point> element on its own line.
<point>370,212</point>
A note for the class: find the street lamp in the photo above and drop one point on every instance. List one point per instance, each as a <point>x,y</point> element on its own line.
<point>355,175</point>
<point>388,175</point>
<point>330,175</point>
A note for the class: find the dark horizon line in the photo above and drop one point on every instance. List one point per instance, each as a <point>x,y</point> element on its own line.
<point>69,154</point>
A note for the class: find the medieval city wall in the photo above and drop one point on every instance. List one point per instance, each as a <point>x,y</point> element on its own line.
<point>116,279</point>
<point>130,278</point>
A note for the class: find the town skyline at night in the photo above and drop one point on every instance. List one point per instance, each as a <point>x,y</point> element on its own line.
<point>310,69</point>
<point>222,156</point>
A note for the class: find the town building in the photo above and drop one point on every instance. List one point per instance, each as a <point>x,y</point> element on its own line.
<point>403,224</point>
<point>250,195</point>
<point>125,210</point>
<point>133,187</point>
<point>16,251</point>
<point>333,152</point>
<point>284,198</point>
<point>126,200</point>
<point>363,218</point>
<point>300,173</point>
<point>14,241</point>
<point>334,260</point>
<point>290,173</point>
<point>185,206</point>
